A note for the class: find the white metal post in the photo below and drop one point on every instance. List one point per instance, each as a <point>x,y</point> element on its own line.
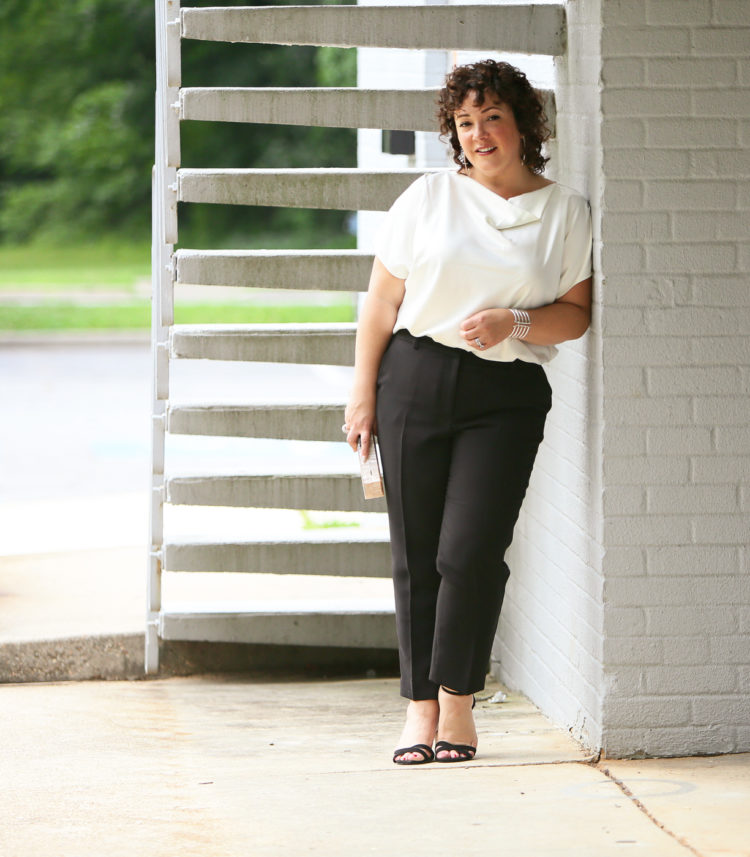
<point>164,236</point>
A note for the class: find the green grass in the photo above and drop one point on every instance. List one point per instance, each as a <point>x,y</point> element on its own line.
<point>108,264</point>
<point>50,273</point>
<point>310,523</point>
<point>111,264</point>
<point>137,315</point>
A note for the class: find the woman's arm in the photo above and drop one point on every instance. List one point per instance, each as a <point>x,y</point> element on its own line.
<point>374,329</point>
<point>567,318</point>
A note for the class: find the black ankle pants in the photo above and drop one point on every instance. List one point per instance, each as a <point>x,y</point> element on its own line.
<point>458,437</point>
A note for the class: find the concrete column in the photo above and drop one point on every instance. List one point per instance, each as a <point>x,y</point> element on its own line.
<point>676,360</point>
<point>628,617</point>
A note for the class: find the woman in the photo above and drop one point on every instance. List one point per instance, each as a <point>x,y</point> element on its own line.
<point>478,274</point>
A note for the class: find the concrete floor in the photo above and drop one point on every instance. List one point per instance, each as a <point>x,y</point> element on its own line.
<point>215,766</point>
<point>218,766</point>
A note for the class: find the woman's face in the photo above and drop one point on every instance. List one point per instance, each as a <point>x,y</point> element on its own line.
<point>488,134</point>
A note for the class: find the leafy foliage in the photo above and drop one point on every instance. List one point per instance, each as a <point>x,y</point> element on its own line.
<point>76,123</point>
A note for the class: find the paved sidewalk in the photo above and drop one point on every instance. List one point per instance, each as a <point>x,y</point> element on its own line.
<point>73,613</point>
<point>221,767</point>
<point>81,614</point>
<point>233,766</point>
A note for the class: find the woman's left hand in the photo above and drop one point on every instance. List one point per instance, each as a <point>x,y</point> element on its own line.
<point>486,328</point>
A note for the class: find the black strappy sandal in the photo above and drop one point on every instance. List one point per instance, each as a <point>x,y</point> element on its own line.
<point>466,752</point>
<point>423,749</point>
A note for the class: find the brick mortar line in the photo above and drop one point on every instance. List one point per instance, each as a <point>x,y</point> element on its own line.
<point>644,809</point>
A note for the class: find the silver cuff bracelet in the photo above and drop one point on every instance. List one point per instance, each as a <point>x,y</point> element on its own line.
<point>521,324</point>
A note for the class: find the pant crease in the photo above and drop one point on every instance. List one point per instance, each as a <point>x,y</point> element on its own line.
<point>462,436</point>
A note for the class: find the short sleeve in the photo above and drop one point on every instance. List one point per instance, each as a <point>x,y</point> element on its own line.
<point>394,243</point>
<point>576,260</point>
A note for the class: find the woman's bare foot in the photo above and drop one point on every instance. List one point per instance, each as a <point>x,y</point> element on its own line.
<point>420,726</point>
<point>456,723</point>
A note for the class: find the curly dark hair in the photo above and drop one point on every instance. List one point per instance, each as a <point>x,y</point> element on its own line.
<point>511,86</point>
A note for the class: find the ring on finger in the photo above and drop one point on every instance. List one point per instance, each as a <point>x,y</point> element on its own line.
<point>479,342</point>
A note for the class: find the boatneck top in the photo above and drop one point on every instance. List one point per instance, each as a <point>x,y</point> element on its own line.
<point>461,248</point>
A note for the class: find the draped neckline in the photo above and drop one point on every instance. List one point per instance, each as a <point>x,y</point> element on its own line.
<point>506,213</point>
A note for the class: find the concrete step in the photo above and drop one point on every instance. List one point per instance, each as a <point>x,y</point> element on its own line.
<point>331,344</point>
<point>527,28</point>
<point>393,109</point>
<point>339,270</point>
<point>320,492</point>
<point>327,625</point>
<point>348,189</point>
<point>343,557</point>
<point>283,422</point>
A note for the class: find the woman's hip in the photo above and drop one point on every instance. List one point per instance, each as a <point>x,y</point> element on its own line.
<point>423,377</point>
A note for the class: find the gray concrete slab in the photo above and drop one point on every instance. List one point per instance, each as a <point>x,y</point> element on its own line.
<point>529,30</point>
<point>77,615</point>
<point>216,766</point>
<point>704,801</point>
<point>103,592</point>
<point>74,500</point>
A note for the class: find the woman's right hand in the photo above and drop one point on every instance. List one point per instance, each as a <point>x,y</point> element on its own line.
<point>359,419</point>
<point>377,318</point>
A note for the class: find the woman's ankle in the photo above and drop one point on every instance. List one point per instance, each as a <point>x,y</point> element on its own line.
<point>451,692</point>
<point>456,722</point>
<point>424,704</point>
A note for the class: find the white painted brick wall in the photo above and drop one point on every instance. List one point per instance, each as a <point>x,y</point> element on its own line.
<point>676,363</point>
<point>550,642</point>
<point>657,525</point>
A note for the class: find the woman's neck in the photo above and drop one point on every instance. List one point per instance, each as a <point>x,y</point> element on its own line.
<point>508,186</point>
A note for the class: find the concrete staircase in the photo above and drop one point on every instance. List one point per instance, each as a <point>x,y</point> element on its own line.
<point>529,29</point>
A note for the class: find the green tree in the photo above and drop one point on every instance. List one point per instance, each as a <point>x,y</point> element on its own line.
<point>76,123</point>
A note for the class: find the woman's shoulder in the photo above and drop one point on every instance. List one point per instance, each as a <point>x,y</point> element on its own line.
<point>419,187</point>
<point>411,198</point>
<point>567,195</point>
<point>425,188</point>
<point>567,205</point>
<point>436,180</point>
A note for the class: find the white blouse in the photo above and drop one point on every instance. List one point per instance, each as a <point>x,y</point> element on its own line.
<point>462,248</point>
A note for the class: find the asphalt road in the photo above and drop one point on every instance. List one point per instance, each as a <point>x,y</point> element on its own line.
<point>75,437</point>
<point>76,418</point>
